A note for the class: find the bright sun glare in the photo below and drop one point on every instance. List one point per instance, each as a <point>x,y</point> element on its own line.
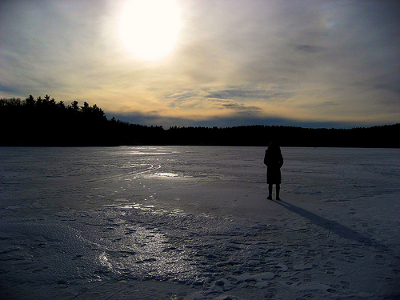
<point>149,28</point>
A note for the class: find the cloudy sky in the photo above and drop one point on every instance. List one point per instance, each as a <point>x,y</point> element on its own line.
<point>329,63</point>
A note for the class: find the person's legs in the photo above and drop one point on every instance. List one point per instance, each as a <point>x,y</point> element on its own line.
<point>278,188</point>
<point>270,192</point>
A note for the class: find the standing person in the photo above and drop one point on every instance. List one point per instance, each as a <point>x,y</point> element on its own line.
<point>273,160</point>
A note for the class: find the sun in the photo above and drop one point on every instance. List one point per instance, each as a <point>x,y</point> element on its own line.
<point>149,28</point>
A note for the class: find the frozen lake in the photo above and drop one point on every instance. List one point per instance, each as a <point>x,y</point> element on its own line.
<point>194,223</point>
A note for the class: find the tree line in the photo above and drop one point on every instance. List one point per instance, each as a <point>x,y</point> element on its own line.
<point>45,122</point>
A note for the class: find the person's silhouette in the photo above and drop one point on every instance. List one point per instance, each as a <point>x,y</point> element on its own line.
<point>273,160</point>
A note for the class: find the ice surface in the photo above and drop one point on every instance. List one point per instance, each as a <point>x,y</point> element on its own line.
<point>194,223</point>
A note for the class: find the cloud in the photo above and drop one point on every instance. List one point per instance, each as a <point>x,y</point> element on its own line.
<point>235,106</point>
<point>48,45</point>
<point>247,93</point>
<point>309,48</point>
<point>291,60</point>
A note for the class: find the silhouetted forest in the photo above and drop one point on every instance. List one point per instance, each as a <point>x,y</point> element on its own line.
<point>45,122</point>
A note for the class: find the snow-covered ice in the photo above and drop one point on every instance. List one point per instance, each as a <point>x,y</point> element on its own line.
<point>194,223</point>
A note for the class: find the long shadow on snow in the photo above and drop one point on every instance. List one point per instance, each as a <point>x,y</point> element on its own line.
<point>332,226</point>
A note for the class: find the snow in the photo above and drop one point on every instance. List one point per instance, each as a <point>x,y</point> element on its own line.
<point>194,223</point>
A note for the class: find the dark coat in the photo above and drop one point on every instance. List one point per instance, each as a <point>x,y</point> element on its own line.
<point>273,160</point>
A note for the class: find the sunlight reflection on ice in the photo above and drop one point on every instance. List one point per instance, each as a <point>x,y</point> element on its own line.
<point>166,174</point>
<point>132,206</point>
<point>148,153</point>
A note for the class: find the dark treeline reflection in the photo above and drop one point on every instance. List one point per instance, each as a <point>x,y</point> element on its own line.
<point>45,122</point>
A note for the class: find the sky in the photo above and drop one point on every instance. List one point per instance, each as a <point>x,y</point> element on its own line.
<point>314,63</point>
